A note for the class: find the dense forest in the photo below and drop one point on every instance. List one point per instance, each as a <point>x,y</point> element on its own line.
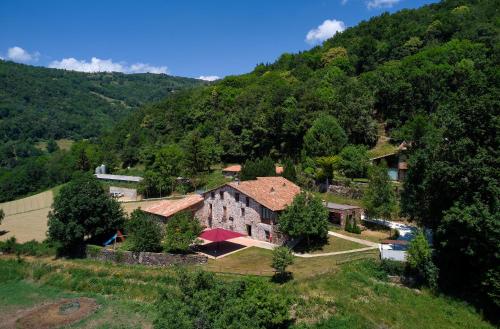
<point>430,75</point>
<point>42,103</point>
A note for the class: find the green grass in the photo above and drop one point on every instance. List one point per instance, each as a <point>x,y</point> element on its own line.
<point>369,234</point>
<point>340,199</point>
<point>338,291</point>
<point>362,298</point>
<point>333,244</point>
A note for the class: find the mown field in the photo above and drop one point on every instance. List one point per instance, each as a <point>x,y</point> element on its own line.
<point>327,294</point>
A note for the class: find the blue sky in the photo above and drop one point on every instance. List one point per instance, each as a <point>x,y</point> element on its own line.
<point>186,38</point>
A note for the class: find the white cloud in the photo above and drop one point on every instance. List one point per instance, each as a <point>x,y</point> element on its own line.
<point>142,68</point>
<point>105,65</point>
<point>381,3</point>
<point>18,54</point>
<point>209,77</point>
<point>325,31</point>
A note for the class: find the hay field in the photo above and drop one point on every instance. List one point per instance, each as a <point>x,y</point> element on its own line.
<point>26,219</point>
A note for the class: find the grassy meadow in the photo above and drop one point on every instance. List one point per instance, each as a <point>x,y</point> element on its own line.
<point>327,292</point>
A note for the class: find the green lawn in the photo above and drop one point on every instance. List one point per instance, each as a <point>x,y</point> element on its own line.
<point>369,234</point>
<point>333,244</point>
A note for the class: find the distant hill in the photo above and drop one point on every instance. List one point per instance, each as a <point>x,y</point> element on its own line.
<point>41,103</point>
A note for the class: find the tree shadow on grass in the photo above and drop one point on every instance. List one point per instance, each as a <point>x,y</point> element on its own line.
<point>315,244</point>
<point>282,278</point>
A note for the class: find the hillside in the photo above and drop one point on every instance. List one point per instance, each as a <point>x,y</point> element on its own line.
<point>388,68</point>
<point>42,103</point>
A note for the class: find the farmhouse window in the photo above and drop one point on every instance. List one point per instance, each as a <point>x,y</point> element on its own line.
<point>267,214</point>
<point>221,193</point>
<point>237,197</point>
<point>247,202</point>
<point>212,195</point>
<point>242,212</point>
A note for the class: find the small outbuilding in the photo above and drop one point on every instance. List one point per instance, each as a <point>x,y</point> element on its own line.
<point>340,214</point>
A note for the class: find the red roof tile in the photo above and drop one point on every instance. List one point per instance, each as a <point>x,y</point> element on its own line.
<point>233,168</point>
<point>274,193</point>
<point>167,208</point>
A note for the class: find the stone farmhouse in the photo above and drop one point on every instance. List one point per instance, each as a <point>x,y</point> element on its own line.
<point>249,207</point>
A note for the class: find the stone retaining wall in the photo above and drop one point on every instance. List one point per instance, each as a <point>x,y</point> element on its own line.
<point>145,258</point>
<point>346,191</point>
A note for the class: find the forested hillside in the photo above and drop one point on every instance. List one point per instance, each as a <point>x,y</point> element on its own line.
<point>388,68</point>
<point>42,103</point>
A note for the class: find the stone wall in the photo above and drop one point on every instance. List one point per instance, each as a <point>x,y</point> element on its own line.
<point>144,258</point>
<point>235,219</point>
<point>352,192</point>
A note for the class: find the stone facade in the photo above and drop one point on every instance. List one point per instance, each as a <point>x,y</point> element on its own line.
<point>146,258</point>
<point>222,209</point>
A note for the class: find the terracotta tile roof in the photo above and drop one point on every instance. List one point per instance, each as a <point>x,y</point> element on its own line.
<point>274,193</point>
<point>233,168</point>
<point>167,208</point>
<point>237,168</point>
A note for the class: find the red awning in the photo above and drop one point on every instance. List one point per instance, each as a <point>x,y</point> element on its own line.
<point>219,234</point>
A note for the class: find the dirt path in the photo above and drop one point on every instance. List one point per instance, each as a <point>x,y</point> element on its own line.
<point>361,241</point>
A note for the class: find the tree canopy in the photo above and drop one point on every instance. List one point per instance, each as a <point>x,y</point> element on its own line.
<point>83,213</point>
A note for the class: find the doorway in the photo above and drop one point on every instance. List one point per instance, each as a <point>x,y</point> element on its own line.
<point>249,230</point>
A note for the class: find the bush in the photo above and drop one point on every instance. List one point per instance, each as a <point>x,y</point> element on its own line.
<point>30,248</point>
<point>181,231</point>
<point>419,261</point>
<point>202,300</point>
<point>144,232</point>
<point>9,246</point>
<point>392,267</point>
<point>282,258</point>
<point>352,226</point>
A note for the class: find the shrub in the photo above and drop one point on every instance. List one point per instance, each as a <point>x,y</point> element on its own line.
<point>419,261</point>
<point>181,231</point>
<point>202,300</point>
<point>392,267</point>
<point>282,258</point>
<point>93,251</point>
<point>9,246</point>
<point>30,248</point>
<point>352,226</point>
<point>2,215</point>
<point>144,232</point>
